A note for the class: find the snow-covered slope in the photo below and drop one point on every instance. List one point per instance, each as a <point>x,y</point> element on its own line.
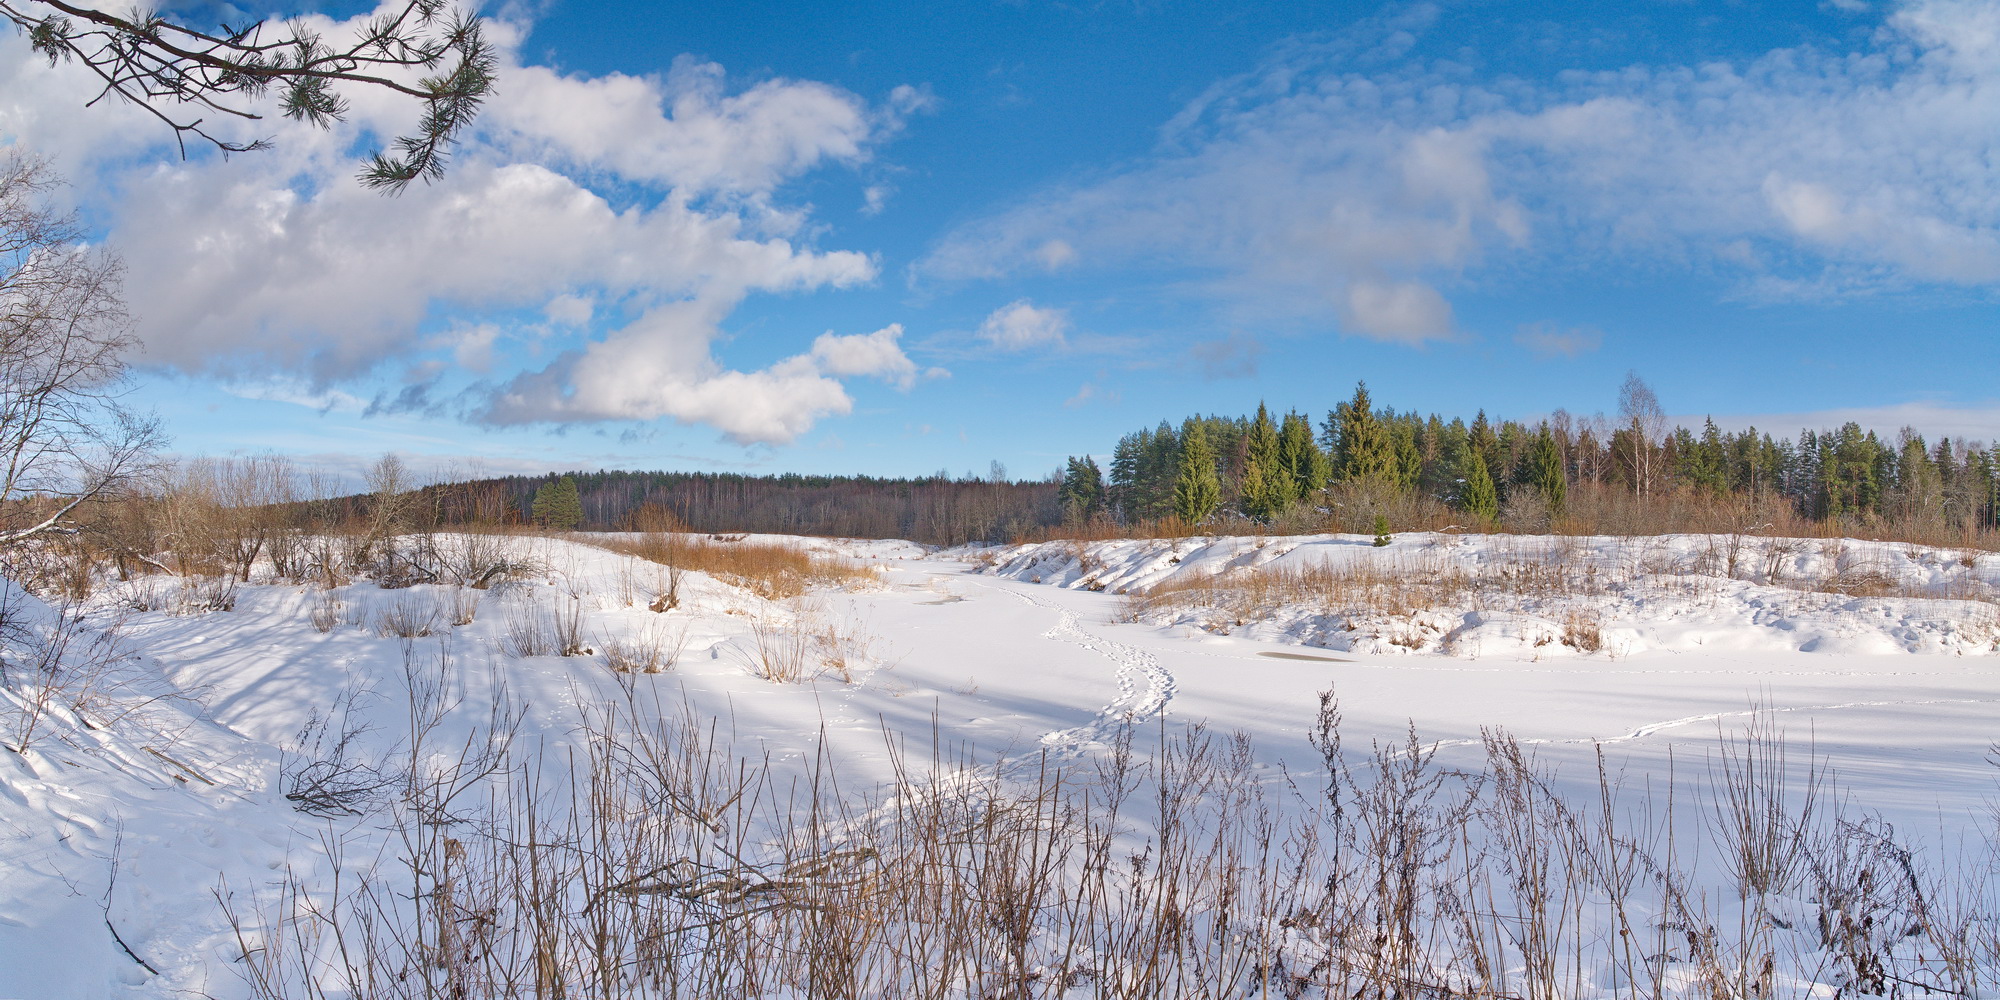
<point>1513,595</point>
<point>148,802</point>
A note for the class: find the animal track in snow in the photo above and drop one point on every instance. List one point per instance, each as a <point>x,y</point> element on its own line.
<point>1134,703</point>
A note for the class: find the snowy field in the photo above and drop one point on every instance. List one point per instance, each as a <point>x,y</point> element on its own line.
<point>148,847</point>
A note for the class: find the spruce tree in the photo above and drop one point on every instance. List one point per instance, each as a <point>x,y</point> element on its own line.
<point>1364,449</point>
<point>1476,494</point>
<point>1544,470</point>
<point>557,505</point>
<point>1197,489</point>
<point>1266,487</point>
<point>1381,530</point>
<point>1300,458</point>
<point>1082,489</point>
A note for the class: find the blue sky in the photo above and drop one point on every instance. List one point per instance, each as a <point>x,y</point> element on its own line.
<point>783,237</point>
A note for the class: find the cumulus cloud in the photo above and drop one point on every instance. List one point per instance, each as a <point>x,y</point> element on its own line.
<point>1020,325</point>
<point>1346,180</point>
<point>279,261</point>
<point>877,355</point>
<point>1546,340</point>
<point>684,130</point>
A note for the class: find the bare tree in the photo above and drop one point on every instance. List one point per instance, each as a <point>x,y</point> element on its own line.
<point>1645,424</point>
<point>65,440</point>
<point>180,73</point>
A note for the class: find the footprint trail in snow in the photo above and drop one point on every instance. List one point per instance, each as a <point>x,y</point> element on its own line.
<point>1144,685</point>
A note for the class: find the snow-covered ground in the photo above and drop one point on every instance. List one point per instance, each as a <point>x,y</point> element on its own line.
<point>132,827</point>
<point>1506,594</point>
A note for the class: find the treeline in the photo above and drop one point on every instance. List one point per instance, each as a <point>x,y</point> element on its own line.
<point>938,510</point>
<point>1632,474</point>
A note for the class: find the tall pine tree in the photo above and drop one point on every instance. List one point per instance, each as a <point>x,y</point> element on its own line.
<point>557,505</point>
<point>1300,458</point>
<point>1197,489</point>
<point>1082,491</point>
<point>1266,487</point>
<point>1363,448</point>
<point>1476,494</point>
<point>1543,470</point>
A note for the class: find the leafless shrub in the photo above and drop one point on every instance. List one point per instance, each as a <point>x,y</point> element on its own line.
<point>781,653</point>
<point>326,611</point>
<point>329,773</point>
<point>57,671</point>
<point>557,631</point>
<point>205,594</point>
<point>460,606</point>
<point>408,618</point>
<point>652,651</point>
<point>1762,812</point>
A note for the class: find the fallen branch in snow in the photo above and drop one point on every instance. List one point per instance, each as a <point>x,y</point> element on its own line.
<point>203,778</point>
<point>128,948</point>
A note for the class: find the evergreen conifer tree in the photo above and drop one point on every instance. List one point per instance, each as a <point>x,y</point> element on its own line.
<point>1300,458</point>
<point>557,505</point>
<point>1476,494</point>
<point>1197,489</point>
<point>1381,530</point>
<point>1266,487</point>
<point>1543,470</point>
<point>1363,446</point>
<point>1082,489</point>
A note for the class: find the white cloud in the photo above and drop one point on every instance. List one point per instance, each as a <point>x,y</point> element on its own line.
<point>1020,324</point>
<point>1980,422</point>
<point>1088,393</point>
<point>280,389</point>
<point>1407,311</point>
<point>1546,340</point>
<point>877,355</point>
<point>279,261</point>
<point>472,345</point>
<point>1333,182</point>
<point>684,130</point>
<point>1055,255</point>
<point>569,309</point>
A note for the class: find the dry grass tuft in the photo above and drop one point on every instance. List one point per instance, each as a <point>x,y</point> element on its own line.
<point>653,650</point>
<point>1583,630</point>
<point>771,571</point>
<point>407,619</point>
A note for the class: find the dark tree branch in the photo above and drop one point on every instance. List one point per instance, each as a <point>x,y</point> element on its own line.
<point>147,60</point>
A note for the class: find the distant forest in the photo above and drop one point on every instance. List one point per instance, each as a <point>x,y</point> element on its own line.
<point>938,510</point>
<point>1630,474</point>
<point>1359,466</point>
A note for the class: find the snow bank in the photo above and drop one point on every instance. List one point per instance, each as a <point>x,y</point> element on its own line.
<point>1557,595</point>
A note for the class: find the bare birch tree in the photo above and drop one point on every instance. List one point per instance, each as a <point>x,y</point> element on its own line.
<point>65,440</point>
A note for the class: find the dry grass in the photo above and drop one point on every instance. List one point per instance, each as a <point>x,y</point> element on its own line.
<point>665,865</point>
<point>1397,588</point>
<point>807,645</point>
<point>653,650</point>
<point>1583,630</point>
<point>555,631</point>
<point>1569,581</point>
<point>771,571</point>
<point>326,611</point>
<point>408,618</point>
